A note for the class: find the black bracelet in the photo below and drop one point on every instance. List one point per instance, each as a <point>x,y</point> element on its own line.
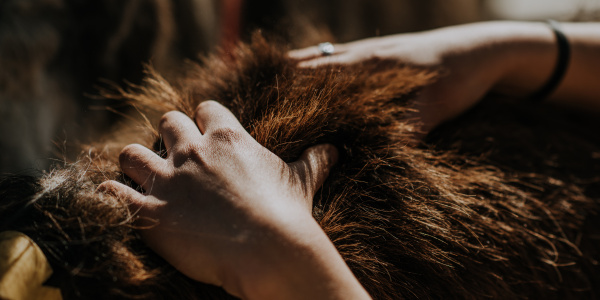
<point>562,62</point>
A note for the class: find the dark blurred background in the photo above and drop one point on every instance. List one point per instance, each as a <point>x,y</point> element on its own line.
<point>55,53</point>
<point>354,19</point>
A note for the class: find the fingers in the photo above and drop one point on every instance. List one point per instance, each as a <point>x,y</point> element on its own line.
<point>312,57</point>
<point>305,53</point>
<point>324,61</point>
<point>122,191</point>
<point>314,52</point>
<point>175,127</point>
<point>313,167</point>
<point>142,165</point>
<point>211,115</point>
<point>143,206</point>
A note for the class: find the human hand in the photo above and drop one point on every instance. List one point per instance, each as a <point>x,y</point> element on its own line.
<point>512,58</point>
<point>230,212</point>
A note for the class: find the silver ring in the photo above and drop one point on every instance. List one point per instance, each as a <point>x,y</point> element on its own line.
<point>326,49</point>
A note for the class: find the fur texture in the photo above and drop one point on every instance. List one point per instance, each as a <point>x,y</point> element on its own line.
<point>53,53</point>
<point>485,209</point>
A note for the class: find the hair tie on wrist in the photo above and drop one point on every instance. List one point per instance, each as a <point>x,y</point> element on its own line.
<point>562,62</point>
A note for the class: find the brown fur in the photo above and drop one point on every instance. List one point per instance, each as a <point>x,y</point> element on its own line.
<point>54,52</point>
<point>482,210</point>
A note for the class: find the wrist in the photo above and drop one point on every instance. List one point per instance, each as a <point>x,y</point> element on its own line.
<point>516,57</point>
<point>482,58</point>
<point>528,52</point>
<point>579,87</point>
<point>300,263</point>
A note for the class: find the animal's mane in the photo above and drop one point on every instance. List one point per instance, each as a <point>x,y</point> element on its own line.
<point>412,220</point>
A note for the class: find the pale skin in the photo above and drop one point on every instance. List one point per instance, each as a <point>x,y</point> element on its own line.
<point>233,214</point>
<point>507,57</point>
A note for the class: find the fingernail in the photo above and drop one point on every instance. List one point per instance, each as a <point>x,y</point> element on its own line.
<point>106,188</point>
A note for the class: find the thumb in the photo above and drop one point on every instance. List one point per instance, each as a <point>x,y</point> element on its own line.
<point>313,167</point>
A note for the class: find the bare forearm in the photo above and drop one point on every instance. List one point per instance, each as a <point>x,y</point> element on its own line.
<point>535,52</point>
<point>511,58</point>
<point>581,86</point>
<point>304,265</point>
<point>508,57</point>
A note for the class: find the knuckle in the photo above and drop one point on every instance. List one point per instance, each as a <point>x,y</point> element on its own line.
<point>227,134</point>
<point>189,152</point>
<point>189,149</point>
<point>206,105</point>
<point>133,156</point>
<point>128,152</point>
<point>166,119</point>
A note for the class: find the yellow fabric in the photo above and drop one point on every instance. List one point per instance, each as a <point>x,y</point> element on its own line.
<point>23,269</point>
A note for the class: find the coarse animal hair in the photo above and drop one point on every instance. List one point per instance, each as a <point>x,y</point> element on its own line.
<point>54,52</point>
<point>474,212</point>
